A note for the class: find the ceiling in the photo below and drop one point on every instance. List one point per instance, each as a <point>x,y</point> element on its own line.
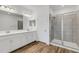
<point>56,7</point>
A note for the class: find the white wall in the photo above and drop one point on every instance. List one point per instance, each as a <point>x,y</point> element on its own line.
<point>43,23</point>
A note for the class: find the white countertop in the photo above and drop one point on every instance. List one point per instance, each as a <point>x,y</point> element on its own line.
<point>3,33</point>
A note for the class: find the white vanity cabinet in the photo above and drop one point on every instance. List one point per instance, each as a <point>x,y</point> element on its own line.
<point>22,39</point>
<point>17,41</point>
<point>29,37</point>
<point>4,44</point>
<point>12,42</point>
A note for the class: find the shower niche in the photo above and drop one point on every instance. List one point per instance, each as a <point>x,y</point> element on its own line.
<point>64,30</point>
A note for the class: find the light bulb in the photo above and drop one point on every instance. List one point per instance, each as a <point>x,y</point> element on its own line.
<point>7,9</point>
<point>2,7</point>
<point>11,9</point>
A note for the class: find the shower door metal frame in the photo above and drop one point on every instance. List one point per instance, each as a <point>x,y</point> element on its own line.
<point>62,30</point>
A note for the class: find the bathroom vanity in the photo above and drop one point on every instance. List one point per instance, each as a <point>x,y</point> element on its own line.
<point>16,30</point>
<point>15,39</point>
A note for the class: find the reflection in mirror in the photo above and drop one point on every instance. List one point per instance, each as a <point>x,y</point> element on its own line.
<point>20,25</point>
<point>20,22</point>
<point>32,23</point>
<point>10,21</point>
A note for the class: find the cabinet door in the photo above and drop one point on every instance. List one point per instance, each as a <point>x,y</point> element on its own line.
<point>34,34</point>
<point>29,37</point>
<point>20,40</point>
<point>4,45</point>
<point>17,41</point>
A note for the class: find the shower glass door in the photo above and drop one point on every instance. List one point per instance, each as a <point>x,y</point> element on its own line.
<point>64,30</point>
<point>57,29</point>
<point>70,30</point>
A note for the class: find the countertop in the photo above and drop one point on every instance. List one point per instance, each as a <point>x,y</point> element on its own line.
<point>3,33</point>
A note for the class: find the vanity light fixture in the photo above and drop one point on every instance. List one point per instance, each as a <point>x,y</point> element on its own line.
<point>12,10</point>
<point>2,7</point>
<point>6,8</point>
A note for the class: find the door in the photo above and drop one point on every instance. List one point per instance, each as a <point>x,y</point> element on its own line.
<point>69,30</point>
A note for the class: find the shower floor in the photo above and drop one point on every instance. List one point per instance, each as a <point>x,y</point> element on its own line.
<point>69,45</point>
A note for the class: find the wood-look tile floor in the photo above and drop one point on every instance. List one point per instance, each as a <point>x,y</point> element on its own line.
<point>39,47</point>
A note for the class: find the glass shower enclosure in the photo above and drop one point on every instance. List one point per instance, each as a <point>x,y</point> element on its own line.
<point>64,29</point>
